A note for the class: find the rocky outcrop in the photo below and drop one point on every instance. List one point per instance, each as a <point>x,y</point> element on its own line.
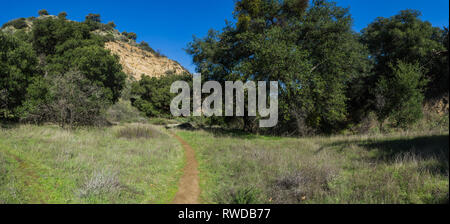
<point>136,61</point>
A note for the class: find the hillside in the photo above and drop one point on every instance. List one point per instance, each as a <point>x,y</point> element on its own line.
<point>135,59</point>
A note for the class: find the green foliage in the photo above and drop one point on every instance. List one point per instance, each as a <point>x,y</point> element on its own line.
<point>91,17</point>
<point>153,95</point>
<point>49,33</point>
<point>43,12</point>
<point>112,24</point>
<point>69,45</point>
<point>18,67</point>
<point>99,66</point>
<point>248,195</point>
<point>93,21</point>
<point>131,35</point>
<point>146,47</point>
<point>312,52</point>
<point>63,96</point>
<point>400,97</point>
<point>401,37</point>
<point>17,23</point>
<point>407,38</point>
<point>62,15</point>
<point>439,71</point>
<point>68,99</point>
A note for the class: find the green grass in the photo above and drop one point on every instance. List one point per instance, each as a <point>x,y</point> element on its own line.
<point>399,168</point>
<point>46,164</point>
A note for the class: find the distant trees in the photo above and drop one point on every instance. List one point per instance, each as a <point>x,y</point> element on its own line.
<point>62,15</point>
<point>43,12</point>
<point>152,95</point>
<point>91,17</point>
<point>111,24</point>
<point>131,35</point>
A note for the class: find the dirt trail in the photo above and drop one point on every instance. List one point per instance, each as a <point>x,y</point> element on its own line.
<point>188,187</point>
<point>30,176</point>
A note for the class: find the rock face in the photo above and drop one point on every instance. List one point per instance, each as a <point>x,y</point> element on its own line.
<point>136,61</point>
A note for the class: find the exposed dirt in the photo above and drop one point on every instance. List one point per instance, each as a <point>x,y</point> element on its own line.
<point>136,61</point>
<point>188,187</point>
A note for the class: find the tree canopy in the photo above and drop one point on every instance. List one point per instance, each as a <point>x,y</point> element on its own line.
<point>311,51</point>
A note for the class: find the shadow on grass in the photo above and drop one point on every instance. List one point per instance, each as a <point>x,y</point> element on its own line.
<point>235,133</point>
<point>427,147</point>
<point>8,125</point>
<point>238,133</point>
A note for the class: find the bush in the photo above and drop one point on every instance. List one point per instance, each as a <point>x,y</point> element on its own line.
<point>400,98</point>
<point>62,15</point>
<point>153,94</point>
<point>146,47</point>
<point>93,18</point>
<point>43,12</point>
<point>138,132</point>
<point>112,24</point>
<point>17,23</point>
<point>102,182</point>
<point>131,35</point>
<point>123,111</point>
<point>69,100</point>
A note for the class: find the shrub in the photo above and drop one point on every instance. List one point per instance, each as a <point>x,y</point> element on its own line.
<point>62,15</point>
<point>69,99</point>
<point>17,23</point>
<point>138,132</point>
<point>123,111</point>
<point>146,47</point>
<point>43,12</point>
<point>91,17</point>
<point>153,94</point>
<point>101,182</point>
<point>400,98</point>
<point>112,24</point>
<point>131,35</point>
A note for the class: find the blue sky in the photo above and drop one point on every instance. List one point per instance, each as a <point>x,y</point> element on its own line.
<point>169,25</point>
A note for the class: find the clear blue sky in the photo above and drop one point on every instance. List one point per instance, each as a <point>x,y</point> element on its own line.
<point>169,25</point>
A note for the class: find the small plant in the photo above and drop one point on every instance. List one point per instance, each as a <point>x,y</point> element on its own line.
<point>247,195</point>
<point>101,182</point>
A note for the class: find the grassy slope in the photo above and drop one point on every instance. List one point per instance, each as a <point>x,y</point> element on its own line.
<point>45,164</point>
<point>401,168</point>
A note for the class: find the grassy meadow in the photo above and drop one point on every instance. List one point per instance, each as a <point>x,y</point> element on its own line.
<point>399,168</point>
<point>142,163</point>
<point>131,163</point>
